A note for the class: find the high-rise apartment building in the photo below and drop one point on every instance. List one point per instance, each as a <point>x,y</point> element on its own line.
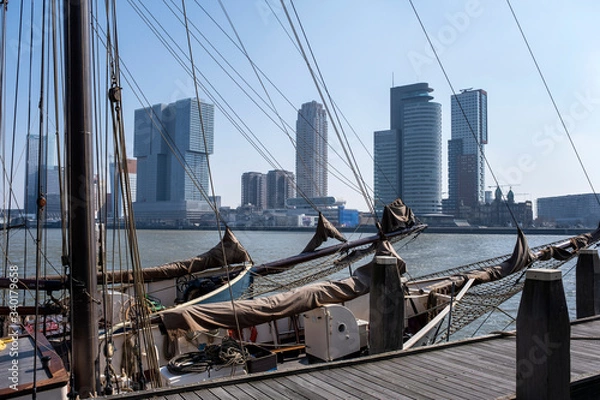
<point>115,187</point>
<point>408,156</point>
<point>32,174</point>
<point>280,187</point>
<point>47,175</point>
<point>269,191</point>
<point>165,190</point>
<point>466,156</point>
<point>254,190</point>
<point>311,150</point>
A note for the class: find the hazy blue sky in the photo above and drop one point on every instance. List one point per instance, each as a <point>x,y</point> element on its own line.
<point>359,46</point>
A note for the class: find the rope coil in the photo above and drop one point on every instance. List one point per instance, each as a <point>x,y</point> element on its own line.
<point>228,353</point>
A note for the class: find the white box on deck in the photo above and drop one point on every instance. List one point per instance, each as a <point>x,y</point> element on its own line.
<point>331,332</point>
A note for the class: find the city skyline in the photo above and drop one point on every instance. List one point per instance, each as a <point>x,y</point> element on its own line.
<point>478,43</point>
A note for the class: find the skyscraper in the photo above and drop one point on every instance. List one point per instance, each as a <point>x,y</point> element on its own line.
<point>408,156</point>
<point>311,150</point>
<point>254,190</point>
<point>115,186</point>
<point>466,163</point>
<point>280,187</point>
<point>32,174</point>
<point>164,136</point>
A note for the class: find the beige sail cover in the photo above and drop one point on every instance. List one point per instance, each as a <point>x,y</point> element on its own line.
<point>228,252</point>
<point>265,309</point>
<point>396,216</point>
<point>520,259</point>
<point>325,230</point>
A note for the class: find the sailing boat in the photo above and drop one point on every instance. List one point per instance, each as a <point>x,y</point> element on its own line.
<point>80,262</point>
<point>189,319</point>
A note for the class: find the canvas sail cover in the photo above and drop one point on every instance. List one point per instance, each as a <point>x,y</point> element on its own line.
<point>576,243</point>
<point>265,309</point>
<point>229,251</point>
<point>520,259</point>
<point>396,216</point>
<point>325,230</point>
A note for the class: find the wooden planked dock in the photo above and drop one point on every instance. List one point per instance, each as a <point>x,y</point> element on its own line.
<point>480,368</point>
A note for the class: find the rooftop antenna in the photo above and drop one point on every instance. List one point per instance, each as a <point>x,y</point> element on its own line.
<point>392,78</point>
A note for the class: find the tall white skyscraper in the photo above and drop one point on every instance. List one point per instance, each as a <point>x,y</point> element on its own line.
<point>164,189</point>
<point>408,156</point>
<point>466,162</point>
<point>311,150</point>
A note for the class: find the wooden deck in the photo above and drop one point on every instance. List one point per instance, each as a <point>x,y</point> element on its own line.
<point>481,368</point>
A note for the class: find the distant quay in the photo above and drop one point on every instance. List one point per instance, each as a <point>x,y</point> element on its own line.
<point>475,230</point>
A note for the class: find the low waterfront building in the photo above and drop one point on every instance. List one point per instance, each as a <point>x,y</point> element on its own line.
<point>574,210</point>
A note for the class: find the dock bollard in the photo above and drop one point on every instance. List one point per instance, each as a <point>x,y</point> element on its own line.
<point>543,338</point>
<point>587,283</point>
<point>386,306</point>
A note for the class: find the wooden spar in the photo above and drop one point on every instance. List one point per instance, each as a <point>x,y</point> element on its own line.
<point>82,243</point>
<point>271,267</point>
<point>424,333</point>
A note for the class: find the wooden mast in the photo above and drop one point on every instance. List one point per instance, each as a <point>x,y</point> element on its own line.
<point>82,243</point>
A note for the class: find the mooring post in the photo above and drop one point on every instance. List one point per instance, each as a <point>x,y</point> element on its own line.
<point>386,306</point>
<point>543,334</point>
<point>587,283</point>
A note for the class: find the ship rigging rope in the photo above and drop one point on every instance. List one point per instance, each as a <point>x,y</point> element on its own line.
<point>562,121</point>
<point>161,128</point>
<point>14,126</point>
<point>143,329</point>
<point>273,108</point>
<point>311,271</point>
<point>222,104</point>
<point>458,102</point>
<point>336,108</point>
<point>8,175</point>
<point>332,111</point>
<point>228,353</point>
<point>487,297</point>
<point>343,140</point>
<point>333,169</point>
<point>224,252</point>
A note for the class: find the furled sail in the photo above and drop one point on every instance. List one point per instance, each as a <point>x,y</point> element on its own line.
<point>325,230</point>
<point>520,259</point>
<point>396,216</point>
<point>228,252</point>
<point>265,309</point>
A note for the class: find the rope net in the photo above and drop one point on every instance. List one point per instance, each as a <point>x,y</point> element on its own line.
<point>311,271</point>
<point>487,297</point>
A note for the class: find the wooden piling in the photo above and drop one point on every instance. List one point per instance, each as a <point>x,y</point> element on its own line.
<point>587,283</point>
<point>543,338</point>
<point>386,306</point>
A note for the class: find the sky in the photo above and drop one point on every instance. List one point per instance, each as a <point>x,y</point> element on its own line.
<point>362,48</point>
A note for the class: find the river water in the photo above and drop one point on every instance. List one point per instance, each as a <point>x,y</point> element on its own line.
<point>429,252</point>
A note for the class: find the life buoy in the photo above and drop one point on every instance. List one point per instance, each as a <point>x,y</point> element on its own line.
<point>253,334</point>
